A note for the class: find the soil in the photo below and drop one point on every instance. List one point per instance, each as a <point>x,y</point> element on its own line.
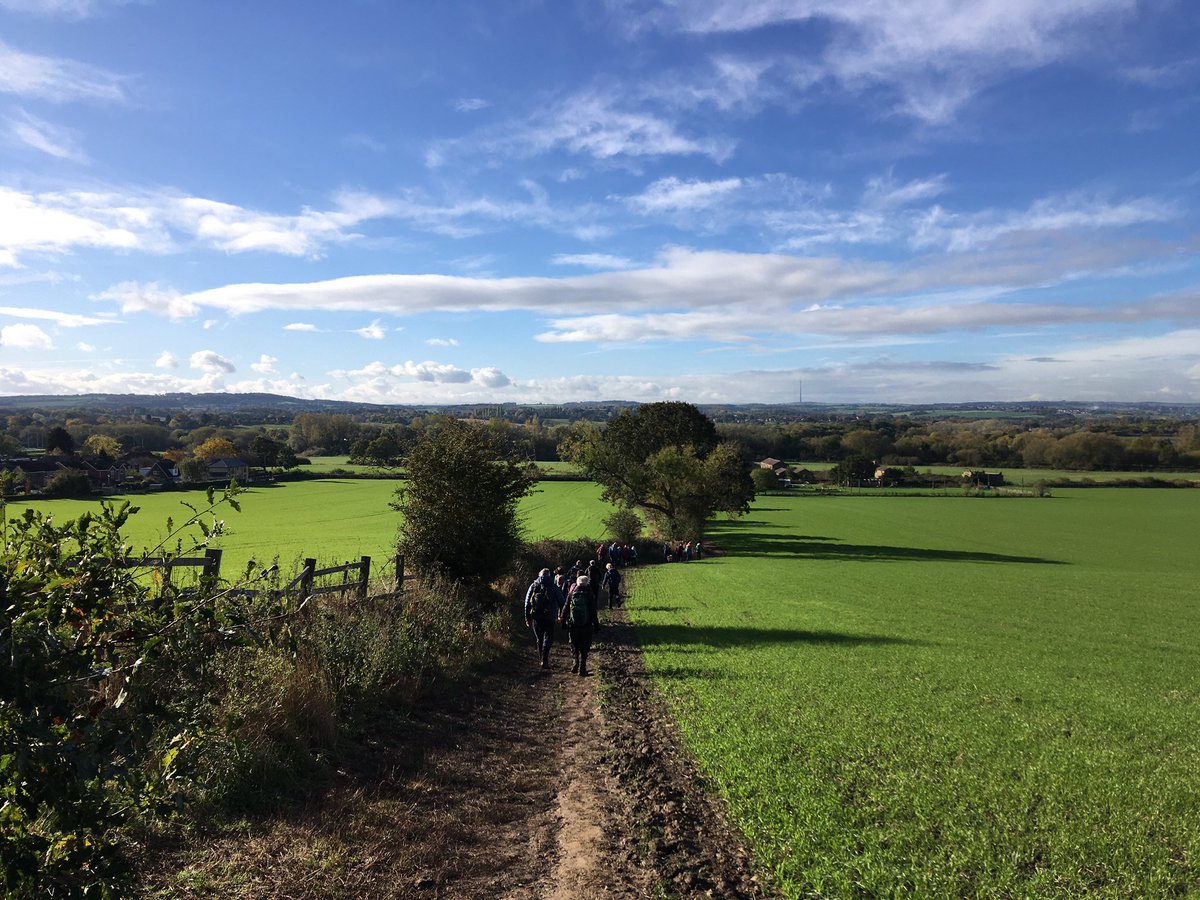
<point>524,784</point>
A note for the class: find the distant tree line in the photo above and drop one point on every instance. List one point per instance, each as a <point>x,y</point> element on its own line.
<point>382,437</point>
<point>1110,443</point>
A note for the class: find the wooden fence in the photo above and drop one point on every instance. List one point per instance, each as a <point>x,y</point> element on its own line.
<point>310,582</point>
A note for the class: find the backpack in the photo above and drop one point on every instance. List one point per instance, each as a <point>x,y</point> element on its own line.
<point>577,609</point>
<point>541,604</point>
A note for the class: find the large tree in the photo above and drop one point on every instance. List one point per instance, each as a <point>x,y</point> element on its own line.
<point>460,503</point>
<point>664,458</point>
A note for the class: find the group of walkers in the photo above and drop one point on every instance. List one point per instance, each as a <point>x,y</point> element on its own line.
<point>681,552</point>
<point>570,599</point>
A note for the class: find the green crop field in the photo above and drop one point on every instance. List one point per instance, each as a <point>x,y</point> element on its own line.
<point>946,696</point>
<point>334,520</point>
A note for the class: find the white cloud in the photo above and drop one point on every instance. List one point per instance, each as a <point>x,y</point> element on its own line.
<point>372,332</point>
<point>671,193</point>
<point>301,326</point>
<point>62,319</point>
<point>265,365</point>
<point>211,362</point>
<point>470,104</point>
<point>726,296</point>
<point>442,342</point>
<point>70,9</point>
<point>166,360</point>
<point>56,79</point>
<point>47,138</point>
<point>589,123</point>
<point>490,377</point>
<point>885,191</point>
<point>1163,75</point>
<point>23,336</point>
<point>151,297</point>
<point>85,347</point>
<point>592,261</point>
<point>161,222</point>
<point>933,54</point>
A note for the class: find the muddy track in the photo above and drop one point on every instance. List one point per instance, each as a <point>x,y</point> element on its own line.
<point>523,785</point>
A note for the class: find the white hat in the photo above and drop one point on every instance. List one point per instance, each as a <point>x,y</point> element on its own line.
<point>583,581</point>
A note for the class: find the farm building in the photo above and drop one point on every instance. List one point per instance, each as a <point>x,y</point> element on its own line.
<point>226,468</point>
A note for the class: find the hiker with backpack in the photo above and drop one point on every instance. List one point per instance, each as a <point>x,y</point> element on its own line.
<point>543,604</point>
<point>612,582</point>
<point>595,572</point>
<point>576,618</point>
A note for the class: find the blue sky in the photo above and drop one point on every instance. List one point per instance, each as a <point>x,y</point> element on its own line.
<point>715,201</point>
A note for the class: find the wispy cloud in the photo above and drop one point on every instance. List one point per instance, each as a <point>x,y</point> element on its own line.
<point>592,261</point>
<point>62,319</point>
<point>68,9</point>
<point>470,104</point>
<point>590,123</point>
<point>49,139</point>
<point>301,326</point>
<point>1162,75</point>
<point>57,79</point>
<point>671,194</point>
<point>932,54</point>
<point>442,342</point>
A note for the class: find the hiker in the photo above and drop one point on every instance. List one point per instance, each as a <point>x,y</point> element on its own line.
<point>543,604</point>
<point>631,551</point>
<point>576,618</point>
<point>561,580</point>
<point>612,581</point>
<point>697,549</point>
<point>595,573</point>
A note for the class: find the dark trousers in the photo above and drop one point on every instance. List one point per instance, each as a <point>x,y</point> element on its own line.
<point>580,637</point>
<point>543,633</point>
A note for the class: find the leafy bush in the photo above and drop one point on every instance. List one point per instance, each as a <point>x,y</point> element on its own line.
<point>67,483</point>
<point>89,730</point>
<point>624,525</point>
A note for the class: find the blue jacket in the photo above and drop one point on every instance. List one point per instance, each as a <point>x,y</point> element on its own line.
<point>555,594</point>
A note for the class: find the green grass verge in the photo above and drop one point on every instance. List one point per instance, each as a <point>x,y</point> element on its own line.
<point>946,697</point>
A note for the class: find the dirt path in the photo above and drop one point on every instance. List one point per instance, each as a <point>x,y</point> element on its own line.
<point>524,786</point>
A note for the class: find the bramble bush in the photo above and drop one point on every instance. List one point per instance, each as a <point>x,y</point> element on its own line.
<point>88,731</point>
<point>125,697</point>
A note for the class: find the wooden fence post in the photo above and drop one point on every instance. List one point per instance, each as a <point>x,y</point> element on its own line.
<point>306,581</point>
<point>212,568</point>
<point>399,573</point>
<point>363,575</point>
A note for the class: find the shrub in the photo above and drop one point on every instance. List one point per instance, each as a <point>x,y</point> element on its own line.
<point>67,483</point>
<point>624,525</point>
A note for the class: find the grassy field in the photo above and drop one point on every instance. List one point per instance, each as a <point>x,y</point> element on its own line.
<point>334,520</point>
<point>947,697</point>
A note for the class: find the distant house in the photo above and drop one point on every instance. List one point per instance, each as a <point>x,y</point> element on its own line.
<point>148,467</point>
<point>38,470</point>
<point>983,479</point>
<point>770,463</point>
<point>226,468</point>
